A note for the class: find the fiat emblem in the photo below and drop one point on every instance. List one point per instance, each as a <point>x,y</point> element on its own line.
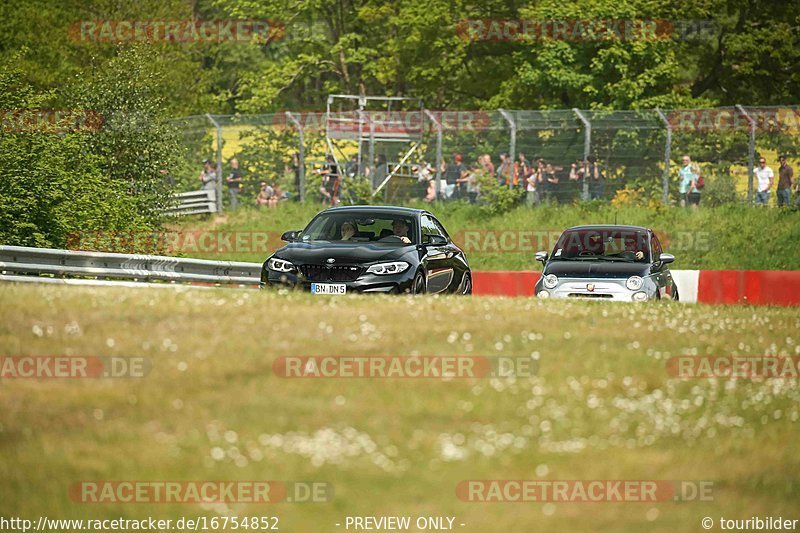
<point>590,287</point>
<point>331,260</point>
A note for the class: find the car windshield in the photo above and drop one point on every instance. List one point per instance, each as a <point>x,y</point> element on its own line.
<point>384,228</point>
<point>603,245</point>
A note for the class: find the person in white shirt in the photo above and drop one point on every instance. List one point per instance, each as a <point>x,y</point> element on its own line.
<point>764,179</point>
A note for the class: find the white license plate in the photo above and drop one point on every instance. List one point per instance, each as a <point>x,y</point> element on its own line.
<point>328,288</point>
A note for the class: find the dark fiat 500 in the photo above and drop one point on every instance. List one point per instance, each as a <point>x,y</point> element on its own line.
<point>370,249</point>
<point>623,263</point>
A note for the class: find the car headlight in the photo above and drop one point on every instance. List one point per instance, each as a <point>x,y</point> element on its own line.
<point>279,265</point>
<point>634,283</point>
<point>639,296</point>
<point>543,294</point>
<point>550,281</point>
<point>382,269</point>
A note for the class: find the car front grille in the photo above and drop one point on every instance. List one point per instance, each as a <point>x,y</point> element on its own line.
<point>589,295</point>
<point>330,273</point>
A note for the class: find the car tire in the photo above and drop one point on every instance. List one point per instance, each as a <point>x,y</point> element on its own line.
<point>419,284</point>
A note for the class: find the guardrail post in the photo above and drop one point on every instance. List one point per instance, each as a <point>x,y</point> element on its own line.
<point>751,152</point>
<point>219,161</point>
<point>512,144</point>
<point>667,155</point>
<point>438,126</point>
<point>301,156</point>
<point>587,147</point>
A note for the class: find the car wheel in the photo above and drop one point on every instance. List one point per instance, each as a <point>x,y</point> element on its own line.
<point>418,287</point>
<point>466,285</point>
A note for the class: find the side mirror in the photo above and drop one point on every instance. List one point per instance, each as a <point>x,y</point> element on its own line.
<point>541,256</point>
<point>666,258</point>
<point>290,236</point>
<point>437,240</point>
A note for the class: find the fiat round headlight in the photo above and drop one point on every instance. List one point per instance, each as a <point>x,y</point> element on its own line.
<point>550,281</point>
<point>639,296</point>
<point>634,283</point>
<point>543,294</point>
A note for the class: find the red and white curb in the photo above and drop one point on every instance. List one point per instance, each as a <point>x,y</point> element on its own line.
<point>756,287</point>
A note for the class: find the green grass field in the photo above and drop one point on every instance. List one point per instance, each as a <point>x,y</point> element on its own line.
<point>732,237</point>
<point>601,406</point>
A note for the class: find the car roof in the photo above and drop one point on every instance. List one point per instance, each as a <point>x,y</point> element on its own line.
<point>391,209</point>
<point>608,227</point>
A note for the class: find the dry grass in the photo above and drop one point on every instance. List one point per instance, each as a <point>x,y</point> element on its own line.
<point>601,406</point>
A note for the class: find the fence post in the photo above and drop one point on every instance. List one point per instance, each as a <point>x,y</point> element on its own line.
<point>219,161</point>
<point>587,147</point>
<point>667,155</point>
<point>438,151</point>
<point>751,152</point>
<point>362,116</point>
<point>301,156</point>
<point>512,145</point>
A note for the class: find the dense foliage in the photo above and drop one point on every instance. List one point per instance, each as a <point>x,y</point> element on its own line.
<point>56,184</point>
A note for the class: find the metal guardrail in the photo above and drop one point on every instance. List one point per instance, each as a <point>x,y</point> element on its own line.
<point>26,263</point>
<point>194,203</point>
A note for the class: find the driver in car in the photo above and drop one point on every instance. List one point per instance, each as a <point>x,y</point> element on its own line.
<point>400,229</point>
<point>632,247</point>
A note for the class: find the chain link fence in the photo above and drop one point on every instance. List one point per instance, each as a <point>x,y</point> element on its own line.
<point>548,156</point>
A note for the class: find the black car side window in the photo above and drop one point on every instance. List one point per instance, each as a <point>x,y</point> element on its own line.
<point>441,229</point>
<point>656,246</point>
<point>428,228</point>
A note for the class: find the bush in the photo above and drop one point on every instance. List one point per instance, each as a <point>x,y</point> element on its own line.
<point>57,184</point>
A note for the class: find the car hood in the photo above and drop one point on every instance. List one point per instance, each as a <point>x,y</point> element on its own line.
<point>596,269</point>
<point>343,253</point>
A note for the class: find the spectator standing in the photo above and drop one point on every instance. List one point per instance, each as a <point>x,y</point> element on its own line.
<point>523,171</point>
<point>331,181</point>
<point>550,182</point>
<point>454,175</point>
<point>689,173</point>
<point>486,162</point>
<point>351,167</point>
<point>504,170</point>
<point>785,175</point>
<point>234,183</point>
<point>208,177</point>
<point>764,178</point>
<point>532,185</point>
<point>597,181</point>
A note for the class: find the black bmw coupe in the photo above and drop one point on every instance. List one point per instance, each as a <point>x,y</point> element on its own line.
<point>370,249</point>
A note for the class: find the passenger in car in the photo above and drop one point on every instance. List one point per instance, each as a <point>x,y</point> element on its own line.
<point>348,230</point>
